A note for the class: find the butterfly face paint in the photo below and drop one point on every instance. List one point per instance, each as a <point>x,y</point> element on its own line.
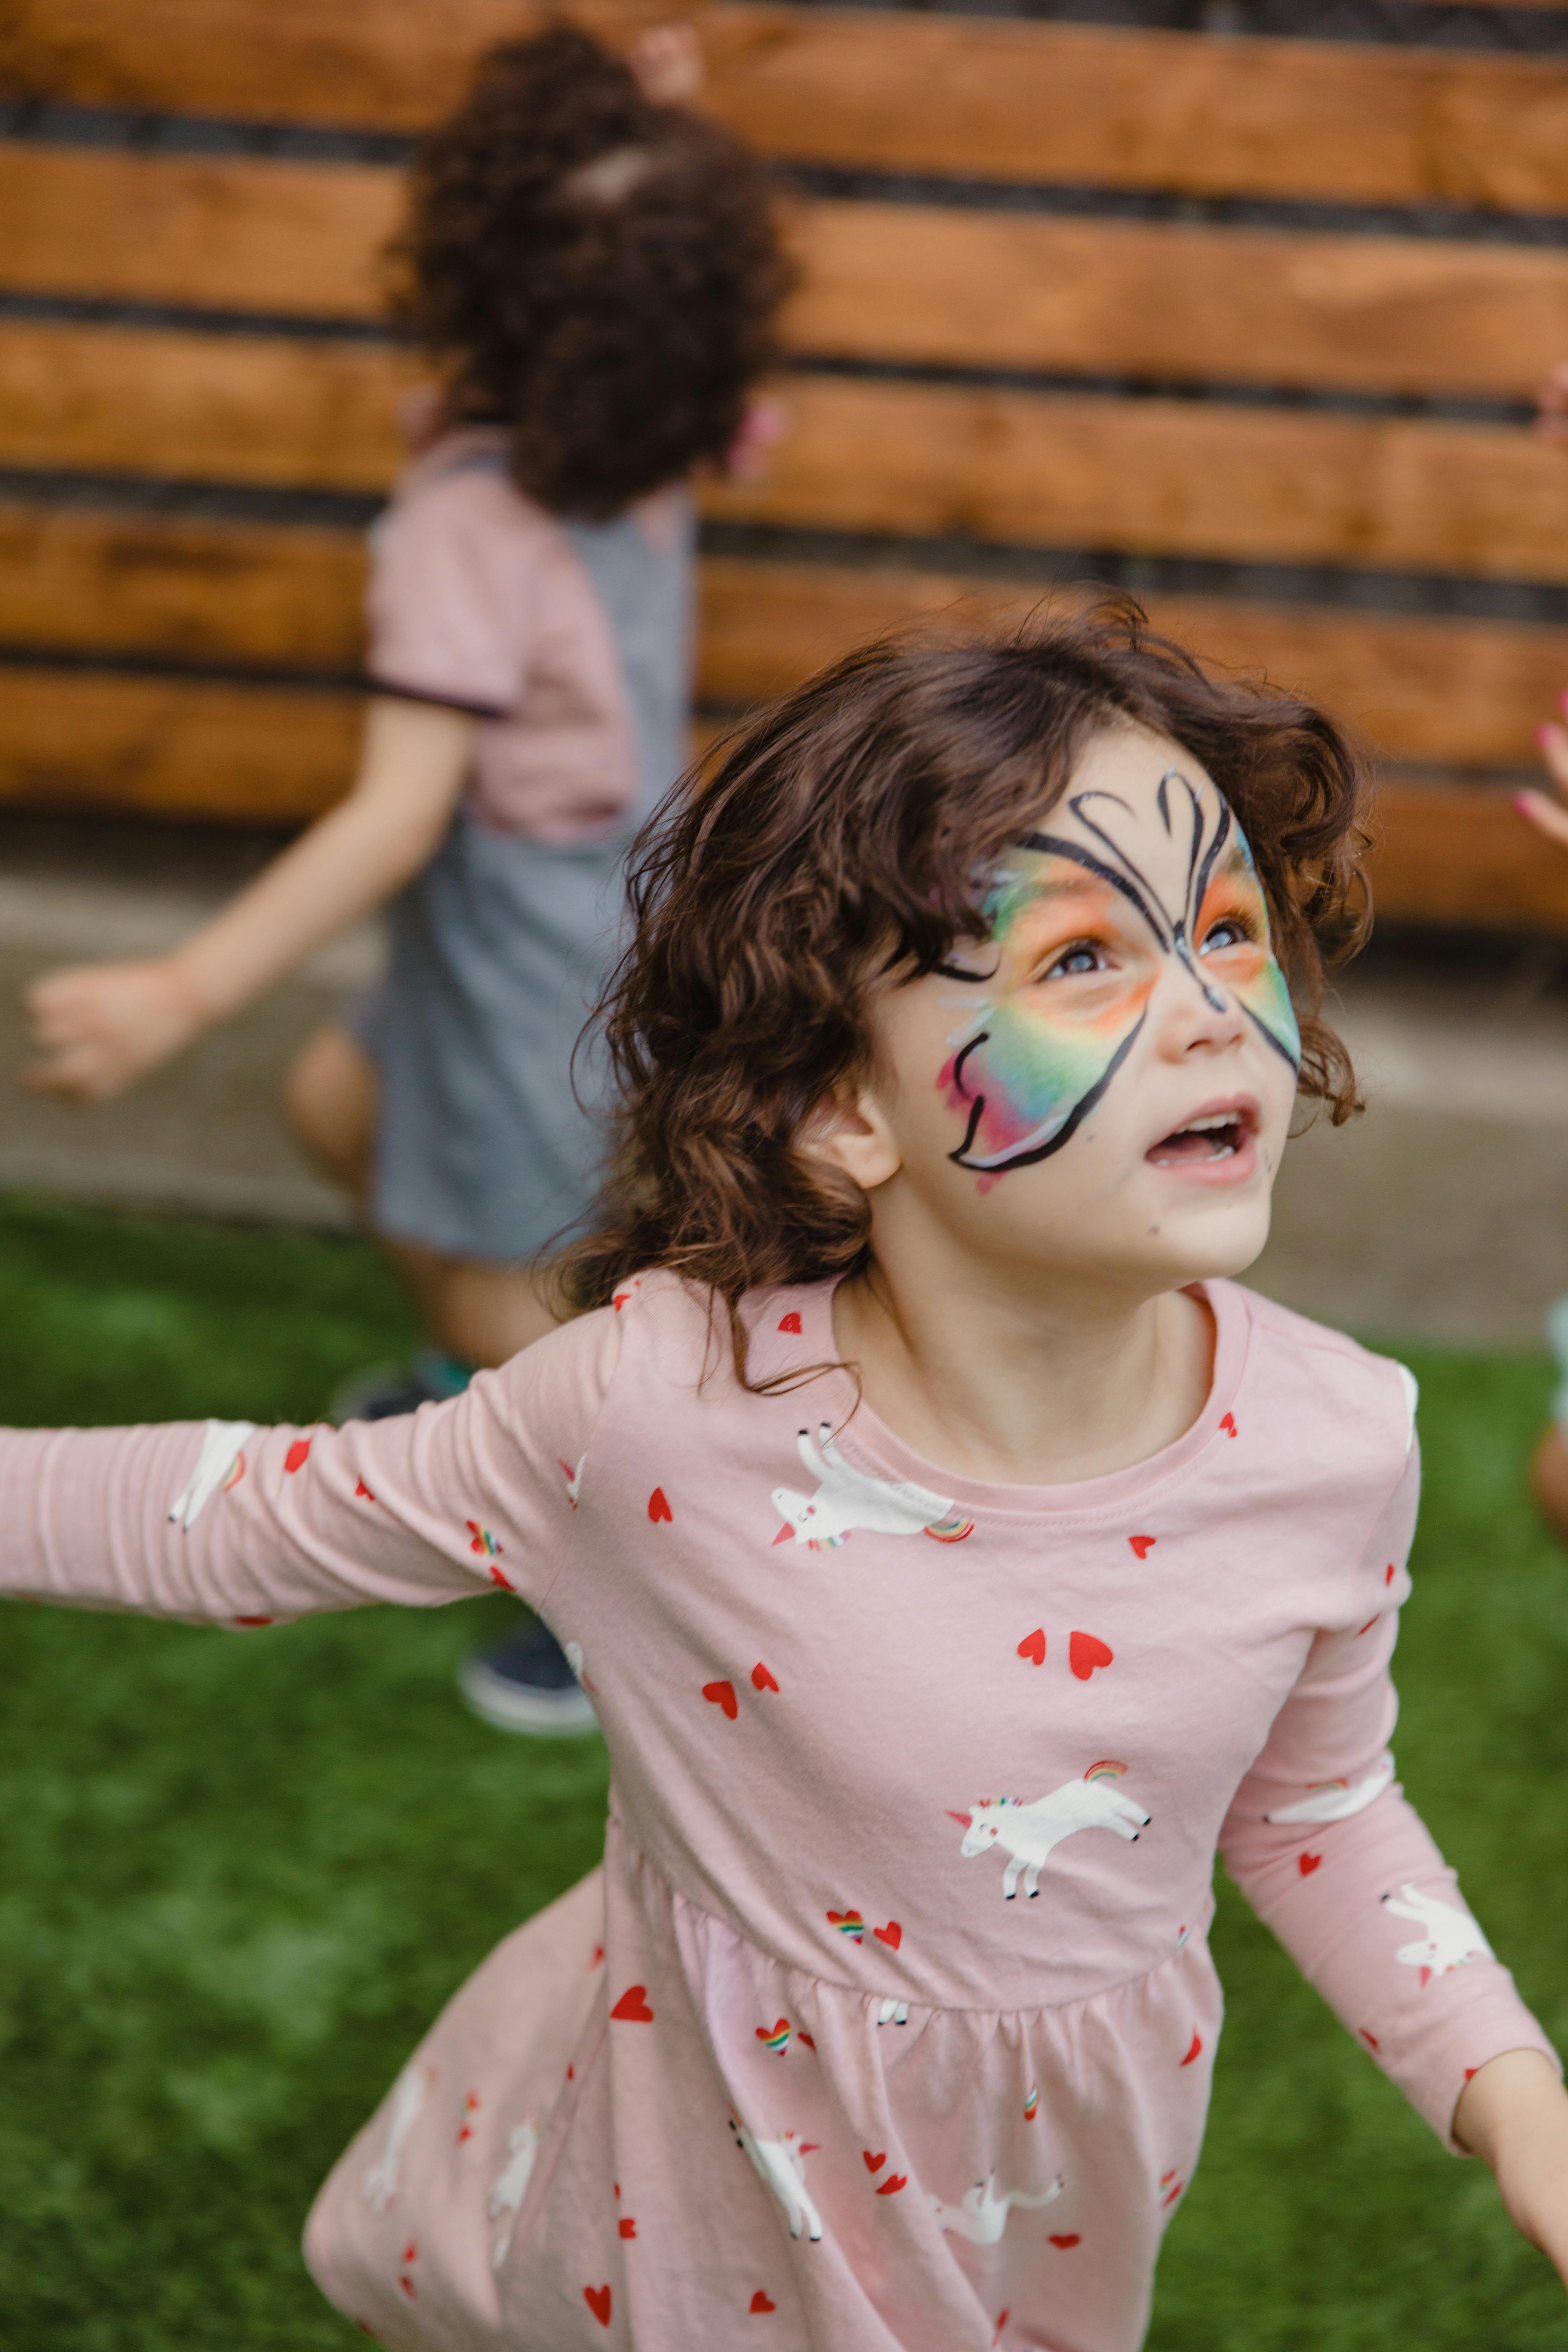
<point>1080,939</point>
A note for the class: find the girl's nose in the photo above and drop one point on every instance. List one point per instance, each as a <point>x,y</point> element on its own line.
<point>1195,1014</point>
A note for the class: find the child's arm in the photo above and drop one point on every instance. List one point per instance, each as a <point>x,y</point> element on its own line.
<point>1546,811</point>
<point>1357,1891</point>
<point>244,1526</point>
<point>98,1027</point>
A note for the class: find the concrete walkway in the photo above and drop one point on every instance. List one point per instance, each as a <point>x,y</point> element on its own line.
<point>1442,1212</point>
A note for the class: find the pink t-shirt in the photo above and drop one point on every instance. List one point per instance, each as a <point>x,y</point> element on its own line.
<point>889,2021</point>
<point>479,600</point>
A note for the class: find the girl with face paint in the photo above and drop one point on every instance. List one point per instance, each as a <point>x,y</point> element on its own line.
<point>1011,1560</point>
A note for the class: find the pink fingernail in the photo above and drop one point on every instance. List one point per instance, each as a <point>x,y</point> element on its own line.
<point>1521,804</point>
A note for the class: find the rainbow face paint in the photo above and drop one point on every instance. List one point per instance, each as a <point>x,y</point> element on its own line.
<point>1079,939</point>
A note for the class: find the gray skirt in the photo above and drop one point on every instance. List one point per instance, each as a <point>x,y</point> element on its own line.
<point>491,1137</point>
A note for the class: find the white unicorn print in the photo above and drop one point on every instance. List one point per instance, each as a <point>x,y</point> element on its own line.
<point>781,2163</point>
<point>414,2087</point>
<point>981,2214</point>
<point>848,1498</point>
<point>1336,1800</point>
<point>1030,1831</point>
<point>221,1457</point>
<point>1449,1935</point>
<point>509,2188</point>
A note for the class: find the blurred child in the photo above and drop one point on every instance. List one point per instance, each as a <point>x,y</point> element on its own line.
<point>596,271</point>
<point>1548,812</point>
<point>957,1556</point>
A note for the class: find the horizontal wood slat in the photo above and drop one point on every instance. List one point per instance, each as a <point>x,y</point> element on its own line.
<point>1450,693</point>
<point>891,89</point>
<point>1151,477</point>
<point>914,283</point>
<point>174,747</point>
<point>1460,854</point>
<point>256,409</point>
<point>264,755</point>
<point>115,584</point>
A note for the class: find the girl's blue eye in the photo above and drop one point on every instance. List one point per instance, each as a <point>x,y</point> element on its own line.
<point>1074,960</point>
<point>1229,932</point>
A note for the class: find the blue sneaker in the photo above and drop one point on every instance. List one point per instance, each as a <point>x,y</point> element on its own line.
<point>527,1685</point>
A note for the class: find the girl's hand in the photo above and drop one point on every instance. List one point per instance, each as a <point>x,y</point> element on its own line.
<point>1513,2114</point>
<point>1552,405</point>
<point>1549,811</point>
<point>100,1028</point>
<point>667,61</point>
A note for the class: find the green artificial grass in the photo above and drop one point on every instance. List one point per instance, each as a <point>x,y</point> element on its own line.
<point>238,1876</point>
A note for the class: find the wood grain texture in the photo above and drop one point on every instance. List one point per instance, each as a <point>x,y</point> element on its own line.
<point>233,594</point>
<point>174,747</point>
<point>227,233</point>
<point>905,93</point>
<point>1459,854</point>
<point>256,409</point>
<point>81,580</point>
<point>1464,693</point>
<point>911,283</point>
<point>1149,476</point>
<point>1162,477</point>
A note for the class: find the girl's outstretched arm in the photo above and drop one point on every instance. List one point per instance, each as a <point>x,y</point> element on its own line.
<point>100,1028</point>
<point>244,1525</point>
<point>1333,1859</point>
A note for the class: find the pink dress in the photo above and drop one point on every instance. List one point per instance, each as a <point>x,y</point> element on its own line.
<point>889,2020</point>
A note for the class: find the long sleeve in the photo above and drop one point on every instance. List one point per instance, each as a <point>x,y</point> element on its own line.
<point>1332,1857</point>
<point>244,1526</point>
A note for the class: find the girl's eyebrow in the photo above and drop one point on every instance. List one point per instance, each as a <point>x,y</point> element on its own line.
<point>1051,845</point>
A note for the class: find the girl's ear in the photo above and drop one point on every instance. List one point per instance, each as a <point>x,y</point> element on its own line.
<point>855,1137</point>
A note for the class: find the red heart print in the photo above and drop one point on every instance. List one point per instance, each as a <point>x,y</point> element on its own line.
<point>804,2036</point>
<point>1228,1422</point>
<point>1143,1545</point>
<point>1370,2039</point>
<point>873,2163</point>
<point>1071,2238</point>
<point>1307,1862</point>
<point>760,2301</point>
<point>361,1489</point>
<point>893,2183</point>
<point>789,1323</point>
<point>767,2033</point>
<point>892,1934</point>
<point>632,2007</point>
<point>1085,1652</point>
<point>723,1695</point>
<point>628,2227</point>
<point>1388,1573</point>
<point>762,1679</point>
<point>1470,2073</point>
<point>1195,2049</point>
<point>597,2299</point>
<point>253,1621</point>
<point>1033,1646</point>
<point>504,1581</point>
<point>658,1506</point>
<point>298,1454</point>
<point>1366,1628</point>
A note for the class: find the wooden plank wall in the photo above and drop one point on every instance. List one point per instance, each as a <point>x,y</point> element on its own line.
<point>1106,323</point>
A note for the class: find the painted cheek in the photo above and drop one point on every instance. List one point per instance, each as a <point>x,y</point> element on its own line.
<point>1029,1073</point>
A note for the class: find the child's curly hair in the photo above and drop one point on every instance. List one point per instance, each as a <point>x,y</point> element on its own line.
<point>845,838</point>
<point>603,271</point>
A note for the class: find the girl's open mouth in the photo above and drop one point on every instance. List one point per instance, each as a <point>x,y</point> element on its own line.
<point>1220,1132</point>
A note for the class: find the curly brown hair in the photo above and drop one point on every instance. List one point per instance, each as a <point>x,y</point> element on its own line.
<point>597,271</point>
<point>843,839</point>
